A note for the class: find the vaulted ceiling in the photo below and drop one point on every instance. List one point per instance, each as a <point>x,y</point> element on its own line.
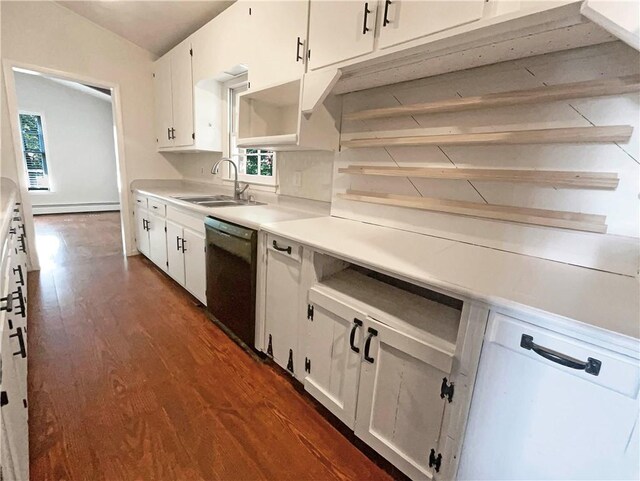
<point>156,26</point>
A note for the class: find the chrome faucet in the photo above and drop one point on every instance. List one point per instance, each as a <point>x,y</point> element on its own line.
<point>237,191</point>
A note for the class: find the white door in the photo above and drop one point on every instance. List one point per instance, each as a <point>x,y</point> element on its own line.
<point>535,417</point>
<point>337,31</point>
<point>334,349</point>
<point>400,411</point>
<point>175,256</point>
<point>163,101</point>
<point>280,53</point>
<point>142,235</point>
<point>195,264</point>
<point>182,95</point>
<point>282,304</point>
<point>409,20</point>
<point>157,240</point>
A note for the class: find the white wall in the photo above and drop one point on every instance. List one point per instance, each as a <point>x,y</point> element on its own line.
<point>80,146</point>
<point>617,251</point>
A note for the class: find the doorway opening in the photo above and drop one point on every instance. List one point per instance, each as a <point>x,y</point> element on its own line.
<point>69,155</point>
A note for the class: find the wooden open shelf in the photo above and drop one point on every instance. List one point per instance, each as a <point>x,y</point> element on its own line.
<point>552,93</point>
<point>613,133</point>
<point>576,180</point>
<point>523,215</point>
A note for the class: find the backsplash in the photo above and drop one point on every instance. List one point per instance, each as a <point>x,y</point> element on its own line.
<point>307,175</point>
<point>616,251</point>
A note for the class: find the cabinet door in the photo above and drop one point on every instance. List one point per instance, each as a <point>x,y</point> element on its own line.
<point>337,31</point>
<point>409,20</point>
<point>282,305</point>
<point>175,257</point>
<point>182,95</point>
<point>163,101</point>
<point>195,264</point>
<point>142,236</point>
<point>280,53</point>
<point>157,241</point>
<point>399,412</point>
<point>334,369</point>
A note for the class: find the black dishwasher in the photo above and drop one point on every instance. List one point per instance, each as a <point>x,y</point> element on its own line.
<point>231,277</point>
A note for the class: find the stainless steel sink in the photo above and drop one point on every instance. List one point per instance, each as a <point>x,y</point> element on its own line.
<point>216,201</point>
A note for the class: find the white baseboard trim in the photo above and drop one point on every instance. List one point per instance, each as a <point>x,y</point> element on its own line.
<point>75,208</point>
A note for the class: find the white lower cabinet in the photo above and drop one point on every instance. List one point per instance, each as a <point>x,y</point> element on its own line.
<point>175,254</point>
<point>142,236</point>
<point>186,259</point>
<point>282,300</point>
<point>157,228</point>
<point>400,411</point>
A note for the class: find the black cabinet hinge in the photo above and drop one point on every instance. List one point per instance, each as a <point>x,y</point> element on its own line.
<point>191,52</point>
<point>310,312</point>
<point>435,461</point>
<point>446,390</point>
<point>167,263</point>
<point>270,346</point>
<point>165,229</point>
<point>4,398</point>
<point>249,10</point>
<point>307,365</point>
<point>309,54</point>
<point>290,361</point>
<point>193,136</point>
<point>248,85</point>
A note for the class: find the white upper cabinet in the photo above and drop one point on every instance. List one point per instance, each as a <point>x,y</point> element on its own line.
<point>403,20</point>
<point>339,31</point>
<point>279,42</point>
<point>163,101</point>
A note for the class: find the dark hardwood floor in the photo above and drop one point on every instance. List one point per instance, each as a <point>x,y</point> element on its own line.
<point>129,380</point>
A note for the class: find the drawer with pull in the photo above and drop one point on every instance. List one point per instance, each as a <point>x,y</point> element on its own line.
<point>140,201</point>
<point>285,247</point>
<point>157,207</point>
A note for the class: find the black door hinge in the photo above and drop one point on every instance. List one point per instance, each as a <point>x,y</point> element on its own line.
<point>290,361</point>
<point>249,10</point>
<point>309,54</point>
<point>270,346</point>
<point>4,399</point>
<point>307,365</point>
<point>446,390</point>
<point>248,85</point>
<point>310,312</point>
<point>167,263</point>
<point>193,136</point>
<point>165,229</point>
<point>154,75</point>
<point>191,52</point>
<point>435,461</point>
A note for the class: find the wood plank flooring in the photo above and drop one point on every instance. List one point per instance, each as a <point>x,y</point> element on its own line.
<point>129,380</point>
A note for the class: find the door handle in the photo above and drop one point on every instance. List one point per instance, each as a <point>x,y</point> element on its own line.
<point>367,345</point>
<point>281,249</point>
<point>23,348</point>
<point>8,306</point>
<point>365,29</point>
<point>590,366</point>
<point>352,337</point>
<point>168,133</point>
<point>17,295</point>
<point>385,19</point>
<point>178,243</point>
<point>183,244</point>
<point>298,45</point>
<point>173,133</point>
<point>18,270</point>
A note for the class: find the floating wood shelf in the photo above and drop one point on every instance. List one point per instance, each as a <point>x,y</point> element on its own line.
<point>613,133</point>
<point>590,88</point>
<point>584,180</point>
<point>523,215</point>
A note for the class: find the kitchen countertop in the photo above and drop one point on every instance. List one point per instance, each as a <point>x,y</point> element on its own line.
<point>603,300</point>
<point>276,209</point>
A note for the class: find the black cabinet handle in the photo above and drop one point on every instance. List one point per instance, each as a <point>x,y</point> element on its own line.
<point>385,20</point>
<point>18,270</point>
<point>22,247</point>
<point>23,349</point>
<point>352,337</point>
<point>281,249</point>
<point>168,133</point>
<point>365,29</point>
<point>367,345</point>
<point>183,244</point>
<point>591,366</point>
<point>299,44</point>
<point>173,133</point>
<point>8,306</point>
<point>17,295</point>
<point>178,243</point>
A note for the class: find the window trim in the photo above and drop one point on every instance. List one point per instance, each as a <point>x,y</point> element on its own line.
<point>45,140</point>
<point>266,181</point>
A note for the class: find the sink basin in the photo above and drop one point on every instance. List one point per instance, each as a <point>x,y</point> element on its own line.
<point>216,201</point>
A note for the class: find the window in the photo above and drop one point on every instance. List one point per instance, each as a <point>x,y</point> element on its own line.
<point>35,158</point>
<point>254,165</point>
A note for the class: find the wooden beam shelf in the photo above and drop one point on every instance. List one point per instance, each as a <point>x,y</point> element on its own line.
<point>552,93</point>
<point>566,179</point>
<point>613,133</point>
<point>524,215</point>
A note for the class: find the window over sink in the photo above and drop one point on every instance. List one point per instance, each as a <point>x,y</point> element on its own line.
<point>256,166</point>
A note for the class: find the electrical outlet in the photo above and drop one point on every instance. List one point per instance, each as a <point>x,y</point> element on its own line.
<point>297,178</point>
